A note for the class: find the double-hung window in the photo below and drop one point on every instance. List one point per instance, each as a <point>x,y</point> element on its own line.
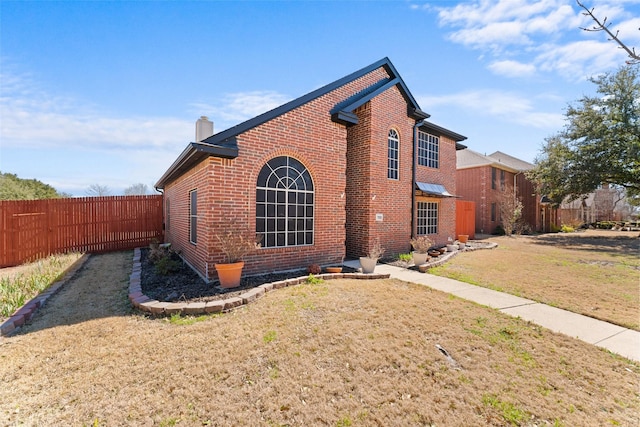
<point>428,150</point>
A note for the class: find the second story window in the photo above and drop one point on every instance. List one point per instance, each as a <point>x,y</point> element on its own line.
<point>428,150</point>
<point>393,154</point>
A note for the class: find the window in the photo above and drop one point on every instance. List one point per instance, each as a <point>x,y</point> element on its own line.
<point>168,215</point>
<point>428,150</point>
<point>427,218</point>
<point>193,216</point>
<point>284,203</point>
<point>502,182</point>
<point>493,212</point>
<point>493,178</point>
<point>393,153</point>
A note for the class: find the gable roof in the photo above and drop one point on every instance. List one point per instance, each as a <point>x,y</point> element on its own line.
<point>224,144</point>
<point>511,161</point>
<point>466,159</point>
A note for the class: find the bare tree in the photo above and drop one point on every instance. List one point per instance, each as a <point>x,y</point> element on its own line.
<point>510,210</point>
<point>97,190</point>
<point>604,26</point>
<point>139,189</point>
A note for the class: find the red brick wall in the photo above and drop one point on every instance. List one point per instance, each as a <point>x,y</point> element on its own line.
<point>227,188</point>
<point>475,183</point>
<point>369,191</point>
<point>445,175</point>
<point>358,196</point>
<point>349,170</point>
<point>177,220</point>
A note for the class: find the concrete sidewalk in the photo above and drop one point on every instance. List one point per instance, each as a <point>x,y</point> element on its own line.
<point>619,340</point>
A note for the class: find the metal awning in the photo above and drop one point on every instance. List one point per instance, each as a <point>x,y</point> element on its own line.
<point>433,189</point>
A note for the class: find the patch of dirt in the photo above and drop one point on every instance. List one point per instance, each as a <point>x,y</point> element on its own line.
<point>186,285</point>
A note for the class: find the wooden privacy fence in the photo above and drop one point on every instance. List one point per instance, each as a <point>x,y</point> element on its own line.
<point>466,218</point>
<point>33,229</point>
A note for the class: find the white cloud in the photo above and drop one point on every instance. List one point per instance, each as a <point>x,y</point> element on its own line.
<point>525,36</point>
<point>580,59</point>
<point>75,144</point>
<point>238,107</point>
<point>510,68</point>
<point>33,116</point>
<point>506,106</point>
<point>490,24</point>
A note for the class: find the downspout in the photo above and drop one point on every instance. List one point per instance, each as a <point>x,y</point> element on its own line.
<point>413,177</point>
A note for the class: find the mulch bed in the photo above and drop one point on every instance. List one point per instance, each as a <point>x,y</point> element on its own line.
<point>185,285</point>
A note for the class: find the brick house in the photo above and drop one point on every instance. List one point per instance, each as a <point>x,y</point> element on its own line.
<point>486,179</point>
<point>320,178</point>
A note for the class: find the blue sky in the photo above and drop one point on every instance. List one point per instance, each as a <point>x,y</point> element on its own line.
<point>108,92</point>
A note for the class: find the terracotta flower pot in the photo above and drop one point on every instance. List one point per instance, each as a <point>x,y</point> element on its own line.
<point>333,269</point>
<point>230,274</point>
<point>463,238</point>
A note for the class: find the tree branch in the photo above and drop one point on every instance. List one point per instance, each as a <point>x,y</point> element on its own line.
<point>603,26</point>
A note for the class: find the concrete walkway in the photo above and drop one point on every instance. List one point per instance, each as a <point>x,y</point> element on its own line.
<point>617,339</point>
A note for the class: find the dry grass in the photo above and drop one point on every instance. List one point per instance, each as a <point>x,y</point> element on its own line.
<point>336,353</point>
<point>21,283</point>
<point>596,273</point>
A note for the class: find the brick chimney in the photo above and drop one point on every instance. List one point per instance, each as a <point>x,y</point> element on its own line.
<point>204,128</point>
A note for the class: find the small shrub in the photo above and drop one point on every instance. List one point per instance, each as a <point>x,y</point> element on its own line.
<point>499,231</point>
<point>167,265</point>
<point>567,229</point>
<point>313,280</point>
<point>421,244</point>
<point>376,251</point>
<point>236,241</point>
<point>405,257</point>
<point>314,269</point>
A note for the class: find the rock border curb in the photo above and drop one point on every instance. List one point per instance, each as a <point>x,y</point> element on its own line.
<point>160,308</point>
<point>26,312</point>
<point>447,255</point>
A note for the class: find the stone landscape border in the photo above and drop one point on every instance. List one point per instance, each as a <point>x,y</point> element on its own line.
<point>149,305</point>
<point>25,313</point>
<point>161,308</point>
<point>447,255</point>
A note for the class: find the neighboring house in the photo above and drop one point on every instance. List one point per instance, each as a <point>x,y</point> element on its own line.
<point>578,211</point>
<point>604,204</point>
<point>486,179</point>
<point>319,178</point>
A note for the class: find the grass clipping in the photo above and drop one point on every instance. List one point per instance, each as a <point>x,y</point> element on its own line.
<point>336,353</point>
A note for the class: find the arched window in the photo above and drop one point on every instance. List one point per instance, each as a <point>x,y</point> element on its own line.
<point>284,203</point>
<point>393,154</point>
